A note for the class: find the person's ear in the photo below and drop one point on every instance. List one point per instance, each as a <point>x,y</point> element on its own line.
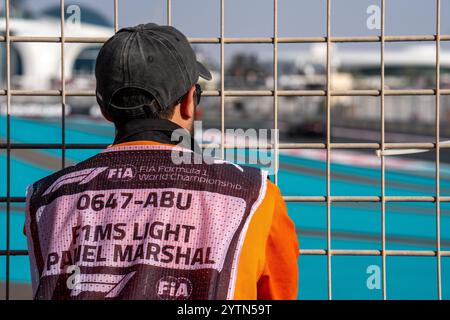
<point>106,114</point>
<point>187,104</point>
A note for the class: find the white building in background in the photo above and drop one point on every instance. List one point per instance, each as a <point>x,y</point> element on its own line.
<point>412,67</point>
<point>37,65</point>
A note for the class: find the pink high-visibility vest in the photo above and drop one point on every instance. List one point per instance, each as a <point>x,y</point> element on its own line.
<point>128,223</point>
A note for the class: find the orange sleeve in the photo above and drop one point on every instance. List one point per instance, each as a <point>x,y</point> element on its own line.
<point>268,262</point>
<point>279,280</point>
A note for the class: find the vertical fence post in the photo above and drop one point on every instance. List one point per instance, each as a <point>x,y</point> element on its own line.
<point>383,160</point>
<point>116,16</point>
<point>8,149</point>
<point>222,78</point>
<point>328,144</point>
<point>169,12</point>
<point>438,146</point>
<point>63,87</point>
<point>275,90</point>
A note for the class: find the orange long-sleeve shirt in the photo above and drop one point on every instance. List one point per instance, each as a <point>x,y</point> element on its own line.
<point>268,267</point>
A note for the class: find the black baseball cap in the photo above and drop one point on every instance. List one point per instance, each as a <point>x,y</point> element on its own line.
<point>157,59</point>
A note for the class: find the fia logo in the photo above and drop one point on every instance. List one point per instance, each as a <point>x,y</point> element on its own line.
<point>121,173</point>
<point>172,288</point>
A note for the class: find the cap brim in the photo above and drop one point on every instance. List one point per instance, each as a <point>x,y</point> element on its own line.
<point>203,72</point>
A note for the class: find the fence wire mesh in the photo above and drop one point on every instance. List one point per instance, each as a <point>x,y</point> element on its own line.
<point>328,146</point>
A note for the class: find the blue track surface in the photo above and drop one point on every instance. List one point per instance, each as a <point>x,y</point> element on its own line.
<point>354,226</point>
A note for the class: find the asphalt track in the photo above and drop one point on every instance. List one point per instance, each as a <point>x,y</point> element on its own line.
<point>409,226</point>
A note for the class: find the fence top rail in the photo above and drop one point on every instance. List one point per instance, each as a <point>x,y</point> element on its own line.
<point>321,252</point>
<point>284,146</point>
<point>317,199</point>
<point>251,93</point>
<point>240,40</point>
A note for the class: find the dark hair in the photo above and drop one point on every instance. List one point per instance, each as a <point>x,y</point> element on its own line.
<point>127,102</point>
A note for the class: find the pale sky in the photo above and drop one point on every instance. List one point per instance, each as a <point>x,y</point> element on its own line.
<point>200,18</point>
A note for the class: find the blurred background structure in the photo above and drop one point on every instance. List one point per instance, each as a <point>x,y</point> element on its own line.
<point>415,220</point>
